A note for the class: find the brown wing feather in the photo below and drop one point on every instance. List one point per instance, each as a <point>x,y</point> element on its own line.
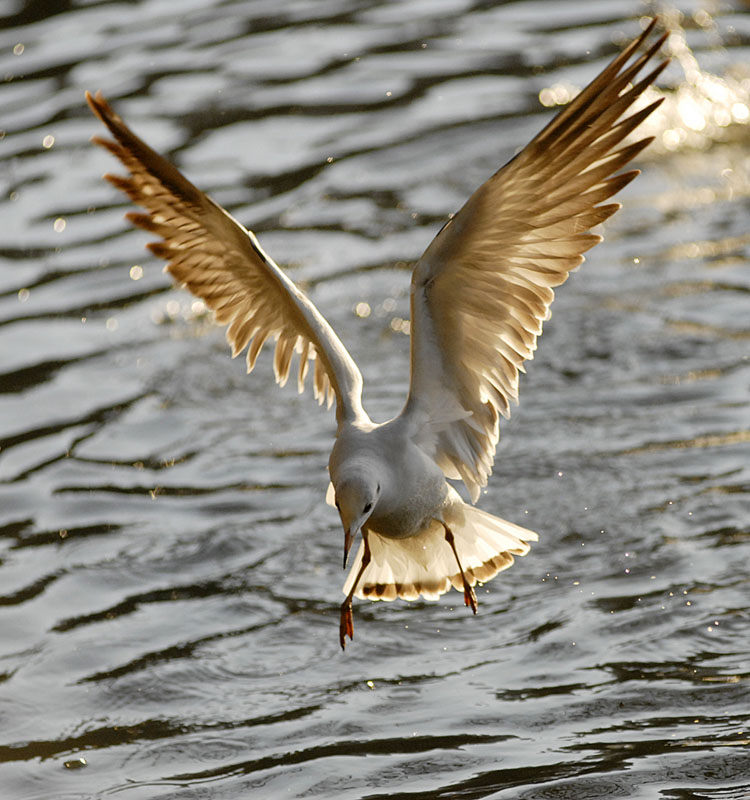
<point>222,263</point>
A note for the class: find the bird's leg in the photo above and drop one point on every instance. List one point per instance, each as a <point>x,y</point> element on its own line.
<point>470,598</point>
<point>346,625</point>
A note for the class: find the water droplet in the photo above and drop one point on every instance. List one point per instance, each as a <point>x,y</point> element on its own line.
<point>172,308</point>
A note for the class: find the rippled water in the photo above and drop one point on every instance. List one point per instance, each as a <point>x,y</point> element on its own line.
<point>169,574</point>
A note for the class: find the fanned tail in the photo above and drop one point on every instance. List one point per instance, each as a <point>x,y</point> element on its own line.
<point>425,564</point>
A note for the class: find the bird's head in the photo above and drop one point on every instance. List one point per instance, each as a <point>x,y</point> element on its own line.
<point>356,497</point>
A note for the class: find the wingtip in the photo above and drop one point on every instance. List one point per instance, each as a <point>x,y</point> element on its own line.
<point>103,111</point>
<point>95,101</point>
<point>651,25</point>
<point>91,101</point>
<point>634,44</point>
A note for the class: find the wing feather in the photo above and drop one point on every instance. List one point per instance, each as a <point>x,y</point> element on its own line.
<point>222,263</point>
<point>483,288</point>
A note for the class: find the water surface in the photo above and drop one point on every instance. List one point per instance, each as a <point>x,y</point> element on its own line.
<point>169,574</point>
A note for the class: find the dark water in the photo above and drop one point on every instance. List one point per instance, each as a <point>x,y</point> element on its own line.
<point>169,574</point>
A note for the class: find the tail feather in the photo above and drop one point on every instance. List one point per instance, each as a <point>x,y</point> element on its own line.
<point>425,564</point>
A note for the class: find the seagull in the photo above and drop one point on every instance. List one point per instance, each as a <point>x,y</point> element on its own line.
<point>479,295</point>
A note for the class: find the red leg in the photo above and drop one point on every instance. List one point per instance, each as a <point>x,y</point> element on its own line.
<point>470,598</point>
<point>346,625</point>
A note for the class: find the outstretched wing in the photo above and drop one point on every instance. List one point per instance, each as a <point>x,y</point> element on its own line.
<point>483,287</point>
<point>223,264</point>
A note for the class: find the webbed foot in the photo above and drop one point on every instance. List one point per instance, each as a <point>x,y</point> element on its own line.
<point>470,597</point>
<point>346,625</point>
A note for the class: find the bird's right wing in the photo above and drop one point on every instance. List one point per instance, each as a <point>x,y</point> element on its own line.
<point>483,287</point>
<point>223,264</point>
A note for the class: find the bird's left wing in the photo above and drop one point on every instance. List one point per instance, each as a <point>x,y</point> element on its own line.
<point>483,287</point>
<point>222,263</point>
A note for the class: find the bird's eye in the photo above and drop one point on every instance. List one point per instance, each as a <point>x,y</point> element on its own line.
<point>368,508</point>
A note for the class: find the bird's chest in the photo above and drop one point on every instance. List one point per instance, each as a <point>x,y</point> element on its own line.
<point>411,500</point>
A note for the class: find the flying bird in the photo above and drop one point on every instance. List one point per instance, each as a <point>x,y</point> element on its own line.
<point>479,295</point>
